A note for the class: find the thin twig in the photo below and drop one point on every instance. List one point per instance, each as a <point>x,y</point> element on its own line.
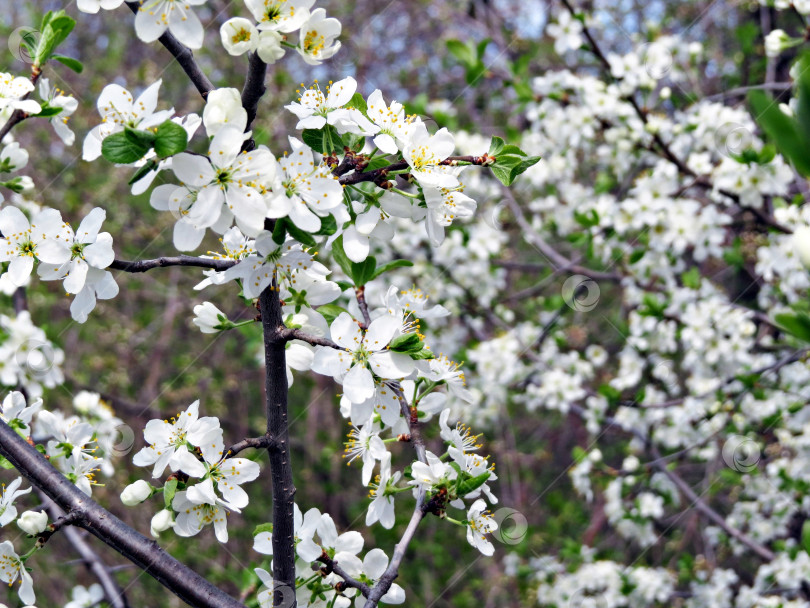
<point>349,581</point>
<point>184,57</point>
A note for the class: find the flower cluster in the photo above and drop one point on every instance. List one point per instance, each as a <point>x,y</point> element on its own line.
<point>193,446</point>
<point>79,259</point>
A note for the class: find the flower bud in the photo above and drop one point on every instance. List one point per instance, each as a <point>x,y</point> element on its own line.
<point>136,493</point>
<point>209,318</point>
<point>631,464</point>
<point>801,243</point>
<point>33,522</point>
<point>163,520</point>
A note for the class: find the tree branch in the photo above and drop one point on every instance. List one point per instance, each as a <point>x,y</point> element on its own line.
<point>392,571</point>
<point>184,57</point>
<point>92,561</point>
<point>559,261</point>
<point>333,566</point>
<point>180,260</point>
<point>704,508</point>
<point>252,92</point>
<point>296,334</point>
<point>265,441</point>
<point>145,553</point>
<point>280,465</point>
<point>382,173</point>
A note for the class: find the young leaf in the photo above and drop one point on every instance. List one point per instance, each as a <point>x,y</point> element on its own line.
<point>782,129</point>
<point>390,266</point>
<point>169,490</point>
<point>170,139</point>
<point>358,103</point>
<point>796,324</point>
<point>363,272</point>
<point>142,171</point>
<point>340,256</point>
<point>140,138</point>
<point>55,28</point>
<point>331,312</point>
<point>118,148</point>
<point>73,64</point>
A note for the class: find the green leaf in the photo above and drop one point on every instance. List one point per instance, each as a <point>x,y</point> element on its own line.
<point>358,103</point>
<point>637,255</point>
<point>423,354</point>
<point>143,170</point>
<point>170,139</point>
<point>782,129</point>
<point>48,111</point>
<point>465,54</point>
<point>5,463</point>
<point>118,148</point>
<point>55,28</point>
<point>363,272</point>
<point>796,324</point>
<point>73,64</point>
<point>378,162</point>
<point>496,145</point>
<point>303,237</point>
<point>279,232</point>
<point>140,138</point>
<point>390,266</point>
<point>328,226</point>
<point>263,528</point>
<point>406,343</point>
<point>691,278</point>
<point>340,256</point>
<point>803,94</point>
<point>510,161</point>
<point>472,484</point>
<point>331,312</point>
<point>169,490</point>
<point>324,141</point>
<point>353,142</point>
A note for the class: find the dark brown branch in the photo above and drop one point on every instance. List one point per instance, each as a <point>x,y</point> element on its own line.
<point>296,334</point>
<point>145,553</point>
<point>348,580</point>
<point>360,292</point>
<point>184,57</point>
<point>252,92</point>
<point>265,441</point>
<point>17,116</point>
<point>281,474</point>
<point>381,174</point>
<point>92,561</point>
<point>60,521</point>
<point>180,260</point>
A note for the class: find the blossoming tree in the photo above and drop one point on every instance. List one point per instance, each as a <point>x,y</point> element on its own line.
<point>297,222</point>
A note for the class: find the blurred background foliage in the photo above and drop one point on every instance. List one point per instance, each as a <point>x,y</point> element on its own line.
<point>141,352</point>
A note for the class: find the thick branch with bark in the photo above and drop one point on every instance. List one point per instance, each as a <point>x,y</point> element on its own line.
<point>283,487</point>
<point>180,260</point>
<point>145,553</point>
<point>113,593</point>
